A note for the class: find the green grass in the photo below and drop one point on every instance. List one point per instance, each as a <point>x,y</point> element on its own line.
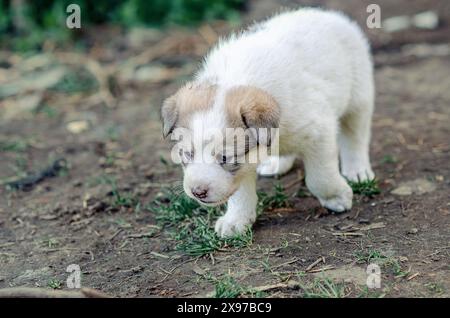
<point>13,146</point>
<point>122,223</point>
<point>367,188</point>
<point>20,165</point>
<point>191,225</point>
<point>76,81</point>
<point>171,209</point>
<point>50,242</point>
<point>227,287</point>
<point>395,267</point>
<point>124,199</point>
<point>199,238</point>
<point>370,293</point>
<point>277,199</point>
<point>435,288</point>
<point>366,257</point>
<point>266,264</point>
<point>120,198</point>
<point>47,110</point>
<point>390,264</point>
<point>302,193</point>
<point>323,288</point>
<point>113,133</point>
<point>388,159</point>
<point>54,284</point>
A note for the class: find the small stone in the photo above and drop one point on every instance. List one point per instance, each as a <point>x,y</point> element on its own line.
<point>397,23</point>
<point>363,221</point>
<point>402,190</point>
<point>78,126</point>
<point>77,183</point>
<point>413,231</point>
<point>418,186</point>
<point>21,106</point>
<point>426,20</point>
<point>435,258</point>
<point>425,51</point>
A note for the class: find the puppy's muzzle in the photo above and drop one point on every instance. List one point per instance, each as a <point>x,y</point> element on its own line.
<point>200,192</point>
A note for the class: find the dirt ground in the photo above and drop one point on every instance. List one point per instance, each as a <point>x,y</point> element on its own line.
<point>71,218</point>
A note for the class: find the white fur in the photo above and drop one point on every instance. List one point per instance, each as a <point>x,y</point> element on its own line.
<point>241,212</point>
<point>274,165</point>
<point>317,66</point>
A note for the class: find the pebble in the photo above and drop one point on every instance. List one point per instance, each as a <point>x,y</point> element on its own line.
<point>78,126</point>
<point>428,20</point>
<point>413,231</point>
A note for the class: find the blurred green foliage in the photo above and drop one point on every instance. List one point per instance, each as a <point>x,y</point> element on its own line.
<point>52,13</point>
<point>33,21</point>
<point>78,80</point>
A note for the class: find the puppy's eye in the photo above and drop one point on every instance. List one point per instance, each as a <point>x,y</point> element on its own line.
<point>223,160</point>
<point>188,155</point>
<point>229,164</point>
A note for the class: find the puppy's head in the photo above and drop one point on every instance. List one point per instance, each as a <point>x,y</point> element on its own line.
<point>217,133</point>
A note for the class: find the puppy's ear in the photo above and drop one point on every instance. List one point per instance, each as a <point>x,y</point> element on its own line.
<point>169,114</point>
<point>189,99</point>
<point>253,108</point>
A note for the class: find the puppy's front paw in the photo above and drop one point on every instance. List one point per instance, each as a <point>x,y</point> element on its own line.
<point>230,226</point>
<point>339,203</point>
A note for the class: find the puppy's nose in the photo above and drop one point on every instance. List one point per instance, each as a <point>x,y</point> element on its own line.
<point>200,192</point>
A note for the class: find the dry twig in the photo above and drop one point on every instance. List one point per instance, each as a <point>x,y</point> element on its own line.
<point>29,292</point>
<point>290,284</point>
<point>317,261</point>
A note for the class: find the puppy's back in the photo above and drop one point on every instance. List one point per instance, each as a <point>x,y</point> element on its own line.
<point>308,39</point>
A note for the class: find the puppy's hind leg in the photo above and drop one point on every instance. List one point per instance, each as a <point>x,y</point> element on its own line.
<point>275,165</point>
<point>354,139</point>
<point>322,178</point>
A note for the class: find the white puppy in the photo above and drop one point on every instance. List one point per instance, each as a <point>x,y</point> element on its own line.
<point>307,72</point>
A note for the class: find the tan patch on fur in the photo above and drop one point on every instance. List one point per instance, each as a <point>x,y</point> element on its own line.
<point>189,99</point>
<point>251,107</point>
